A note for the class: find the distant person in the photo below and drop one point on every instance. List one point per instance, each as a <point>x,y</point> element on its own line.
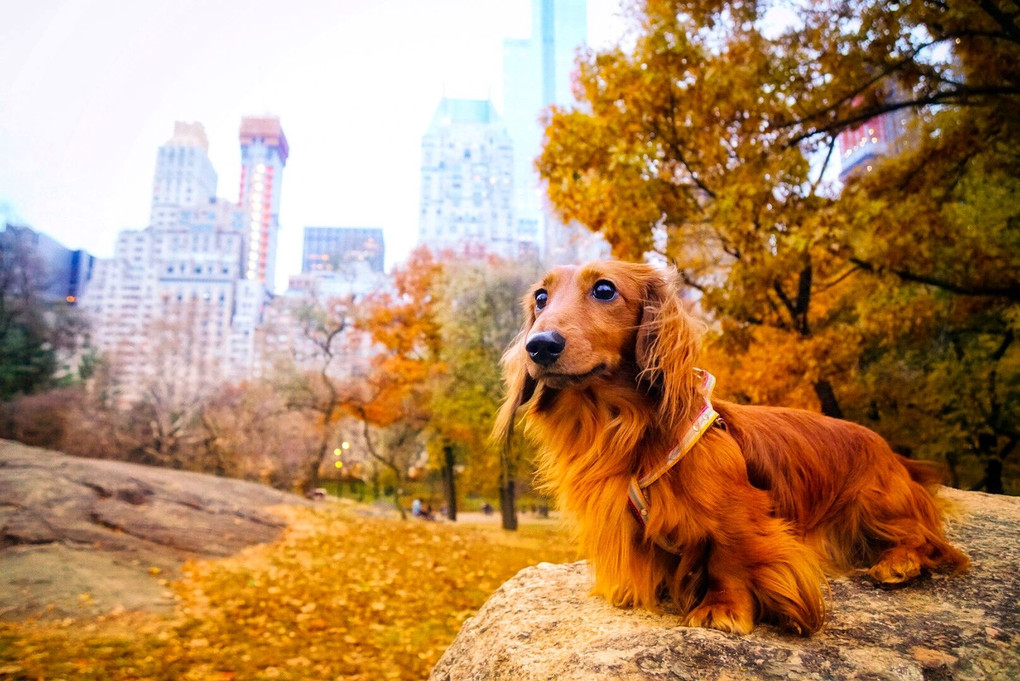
<point>487,508</point>
<point>416,508</point>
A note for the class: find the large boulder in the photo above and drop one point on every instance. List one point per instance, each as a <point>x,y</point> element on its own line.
<point>543,624</point>
<point>84,536</point>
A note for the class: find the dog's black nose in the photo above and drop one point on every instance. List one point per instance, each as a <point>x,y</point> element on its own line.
<point>545,347</point>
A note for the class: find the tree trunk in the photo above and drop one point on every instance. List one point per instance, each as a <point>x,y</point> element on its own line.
<point>507,502</point>
<point>992,482</point>
<point>827,398</point>
<point>507,507</point>
<point>449,483</point>
<point>398,503</point>
<point>311,478</point>
<point>952,465</point>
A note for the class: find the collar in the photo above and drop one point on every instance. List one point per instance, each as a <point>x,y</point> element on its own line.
<point>706,418</point>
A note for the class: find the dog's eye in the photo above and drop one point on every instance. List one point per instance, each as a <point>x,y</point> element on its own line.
<point>603,290</point>
<point>541,298</point>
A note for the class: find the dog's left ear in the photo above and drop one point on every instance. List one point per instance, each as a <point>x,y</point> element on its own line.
<point>666,350</point>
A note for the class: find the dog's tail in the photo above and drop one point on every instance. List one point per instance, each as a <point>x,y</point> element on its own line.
<point>927,474</point>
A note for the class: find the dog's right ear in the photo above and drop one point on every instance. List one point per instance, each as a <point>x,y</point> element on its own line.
<point>520,387</point>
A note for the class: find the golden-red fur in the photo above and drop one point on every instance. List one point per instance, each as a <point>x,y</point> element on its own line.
<point>759,509</point>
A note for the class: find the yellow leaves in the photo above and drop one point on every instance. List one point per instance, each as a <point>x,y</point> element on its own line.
<point>338,595</point>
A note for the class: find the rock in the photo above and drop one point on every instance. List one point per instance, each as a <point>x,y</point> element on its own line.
<point>542,624</point>
<point>87,536</point>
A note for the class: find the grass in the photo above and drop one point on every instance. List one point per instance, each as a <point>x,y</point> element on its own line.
<point>338,596</point>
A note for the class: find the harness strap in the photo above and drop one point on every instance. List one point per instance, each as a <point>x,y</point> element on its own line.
<point>706,419</point>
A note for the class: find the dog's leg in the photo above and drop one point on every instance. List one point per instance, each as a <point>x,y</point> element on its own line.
<point>759,570</point>
<point>900,521</point>
<point>785,578</point>
<point>914,547</point>
<point>897,566</point>
<point>756,568</point>
<point>628,570</point>
<point>728,604</point>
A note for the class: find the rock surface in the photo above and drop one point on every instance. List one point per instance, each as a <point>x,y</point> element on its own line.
<point>83,536</point>
<point>542,624</point>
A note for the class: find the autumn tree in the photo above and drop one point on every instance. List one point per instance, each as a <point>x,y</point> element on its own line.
<point>436,380</point>
<point>36,334</point>
<point>711,142</point>
<point>393,396</point>
<point>937,221</point>
<point>179,374</point>
<point>478,322</point>
<point>318,380</point>
<point>389,401</point>
<point>247,431</point>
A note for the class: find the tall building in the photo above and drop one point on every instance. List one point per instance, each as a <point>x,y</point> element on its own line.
<point>467,181</point>
<point>264,152</point>
<point>184,174</point>
<point>120,303</point>
<point>175,308</point>
<point>331,249</point>
<point>536,75</point>
<point>171,308</point>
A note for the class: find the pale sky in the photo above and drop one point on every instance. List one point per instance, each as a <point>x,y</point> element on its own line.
<point>89,89</point>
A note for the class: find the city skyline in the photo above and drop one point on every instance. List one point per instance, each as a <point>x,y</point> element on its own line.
<point>88,101</point>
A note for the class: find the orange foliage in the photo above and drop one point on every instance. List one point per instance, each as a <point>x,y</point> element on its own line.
<point>403,323</point>
<point>341,595</point>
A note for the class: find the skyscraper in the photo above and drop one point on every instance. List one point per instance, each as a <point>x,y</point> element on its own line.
<point>175,308</point>
<point>184,174</point>
<point>467,181</point>
<point>264,153</point>
<point>536,75</point>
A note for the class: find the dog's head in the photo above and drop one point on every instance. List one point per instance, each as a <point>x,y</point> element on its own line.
<point>597,320</point>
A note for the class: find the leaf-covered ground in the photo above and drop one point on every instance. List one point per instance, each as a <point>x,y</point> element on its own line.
<point>339,596</point>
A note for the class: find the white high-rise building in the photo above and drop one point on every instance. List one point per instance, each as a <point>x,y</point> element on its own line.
<point>119,301</point>
<point>467,182</point>
<point>177,306</point>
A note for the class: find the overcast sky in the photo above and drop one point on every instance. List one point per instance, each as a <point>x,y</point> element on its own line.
<point>89,89</point>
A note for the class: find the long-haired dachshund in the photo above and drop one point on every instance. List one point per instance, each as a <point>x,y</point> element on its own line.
<point>733,512</point>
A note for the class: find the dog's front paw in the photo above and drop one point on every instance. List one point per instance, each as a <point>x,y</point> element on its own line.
<point>723,616</point>
<point>896,567</point>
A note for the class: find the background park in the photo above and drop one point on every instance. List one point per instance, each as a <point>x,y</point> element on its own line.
<point>708,140</point>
